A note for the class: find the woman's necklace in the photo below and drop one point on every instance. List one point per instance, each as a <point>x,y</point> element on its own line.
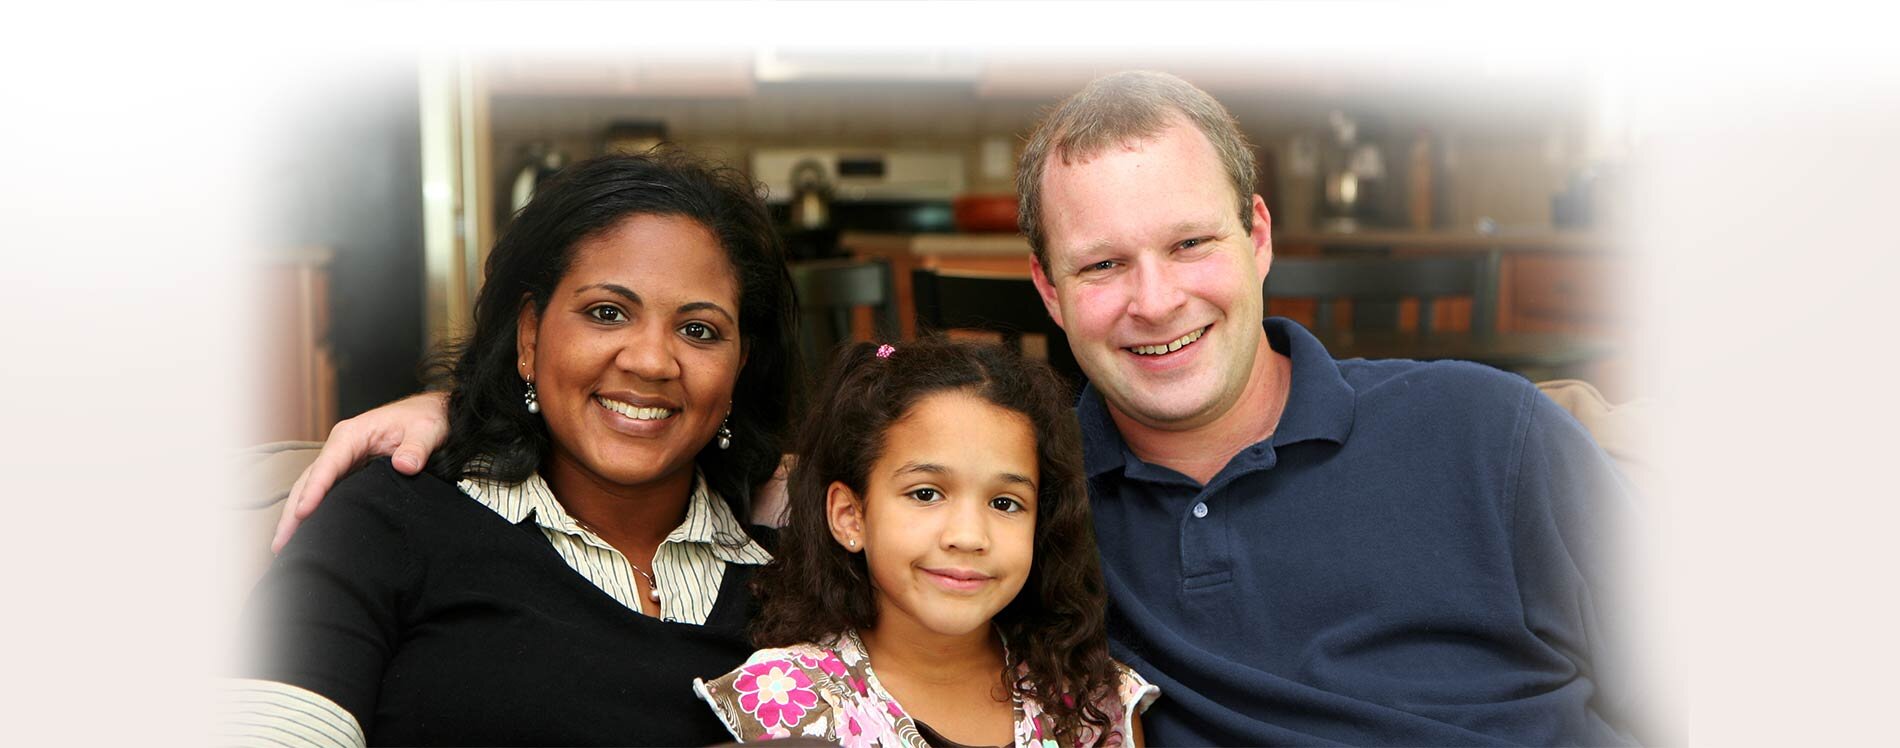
<point>653,587</point>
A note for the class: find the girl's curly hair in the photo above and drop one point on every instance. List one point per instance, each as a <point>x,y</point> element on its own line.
<point>816,589</point>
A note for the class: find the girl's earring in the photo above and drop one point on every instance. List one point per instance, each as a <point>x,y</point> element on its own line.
<point>533,405</point>
<point>852,543</point>
<point>725,433</point>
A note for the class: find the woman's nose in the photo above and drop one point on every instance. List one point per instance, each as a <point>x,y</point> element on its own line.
<point>648,353</point>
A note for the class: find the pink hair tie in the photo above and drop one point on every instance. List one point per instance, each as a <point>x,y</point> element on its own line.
<point>885,350</point>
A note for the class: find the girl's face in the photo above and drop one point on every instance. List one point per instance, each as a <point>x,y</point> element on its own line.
<point>948,520</point>
<point>635,357</point>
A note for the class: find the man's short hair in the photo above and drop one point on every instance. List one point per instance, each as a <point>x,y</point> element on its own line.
<point>1114,109</point>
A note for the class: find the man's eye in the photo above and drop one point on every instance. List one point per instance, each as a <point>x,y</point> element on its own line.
<point>699,331</point>
<point>1099,266</point>
<point>1007,504</point>
<point>925,495</point>
<point>606,313</point>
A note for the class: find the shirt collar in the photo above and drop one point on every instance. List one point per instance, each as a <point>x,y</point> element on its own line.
<point>708,520</point>
<point>1319,403</point>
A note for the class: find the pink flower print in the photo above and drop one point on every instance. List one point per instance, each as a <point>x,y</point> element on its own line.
<point>775,693</point>
<point>864,726</point>
<point>832,666</point>
<point>827,662</point>
<point>857,684</point>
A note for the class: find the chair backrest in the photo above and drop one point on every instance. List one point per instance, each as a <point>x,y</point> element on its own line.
<point>1383,281</point>
<point>1008,305</point>
<point>829,293</point>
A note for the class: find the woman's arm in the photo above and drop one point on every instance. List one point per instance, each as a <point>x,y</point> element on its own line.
<point>327,616</point>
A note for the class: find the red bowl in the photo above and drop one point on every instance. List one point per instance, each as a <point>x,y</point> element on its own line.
<point>983,214</point>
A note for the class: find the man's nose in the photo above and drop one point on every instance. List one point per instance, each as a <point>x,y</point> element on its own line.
<point>1154,294</point>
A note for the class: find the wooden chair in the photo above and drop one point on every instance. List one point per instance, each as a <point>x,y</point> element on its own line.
<point>829,294</point>
<point>1005,305</point>
<point>1375,285</point>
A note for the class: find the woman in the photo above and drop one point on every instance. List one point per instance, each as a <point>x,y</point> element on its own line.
<point>571,559</point>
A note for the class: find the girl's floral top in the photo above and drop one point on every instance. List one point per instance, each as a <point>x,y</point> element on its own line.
<point>829,691</point>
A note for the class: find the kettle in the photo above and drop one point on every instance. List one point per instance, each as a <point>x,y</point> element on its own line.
<point>811,195</point>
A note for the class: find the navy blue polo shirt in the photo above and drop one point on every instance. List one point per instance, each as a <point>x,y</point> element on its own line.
<point>1410,559</point>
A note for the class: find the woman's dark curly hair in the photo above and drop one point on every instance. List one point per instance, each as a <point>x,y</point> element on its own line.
<point>492,436</point>
<point>816,589</point>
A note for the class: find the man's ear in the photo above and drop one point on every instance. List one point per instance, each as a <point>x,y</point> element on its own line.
<point>1047,291</point>
<point>1262,236</point>
<point>845,513</point>
<point>527,326</point>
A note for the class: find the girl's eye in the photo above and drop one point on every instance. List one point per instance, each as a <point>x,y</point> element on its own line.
<point>925,495</point>
<point>1007,504</point>
<point>607,313</point>
<point>699,331</point>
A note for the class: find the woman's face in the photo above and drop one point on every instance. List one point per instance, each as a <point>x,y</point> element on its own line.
<point>635,356</point>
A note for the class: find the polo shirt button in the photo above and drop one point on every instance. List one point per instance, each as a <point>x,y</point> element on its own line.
<point>1200,510</point>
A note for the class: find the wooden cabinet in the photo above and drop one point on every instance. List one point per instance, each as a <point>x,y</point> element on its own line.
<point>296,396</point>
<point>1561,292</point>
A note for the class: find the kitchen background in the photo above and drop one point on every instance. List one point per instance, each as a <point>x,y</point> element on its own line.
<point>408,165</point>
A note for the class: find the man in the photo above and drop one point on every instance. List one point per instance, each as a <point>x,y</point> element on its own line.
<point>1298,550</point>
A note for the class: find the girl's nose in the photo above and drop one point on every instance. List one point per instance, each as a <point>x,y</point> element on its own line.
<point>966,529</point>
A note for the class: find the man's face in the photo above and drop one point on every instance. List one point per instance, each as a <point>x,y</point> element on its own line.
<point>1152,277</point>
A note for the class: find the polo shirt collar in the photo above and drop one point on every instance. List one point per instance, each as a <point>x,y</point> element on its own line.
<point>708,520</point>
<point>1320,403</point>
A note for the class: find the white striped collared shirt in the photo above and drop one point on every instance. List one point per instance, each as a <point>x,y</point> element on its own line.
<point>688,566</point>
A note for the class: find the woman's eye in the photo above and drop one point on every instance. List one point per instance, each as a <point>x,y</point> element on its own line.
<point>1006,504</point>
<point>699,331</point>
<point>606,313</point>
<point>925,495</point>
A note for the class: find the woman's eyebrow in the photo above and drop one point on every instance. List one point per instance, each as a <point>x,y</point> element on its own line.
<point>698,305</point>
<point>614,288</point>
<point>634,298</point>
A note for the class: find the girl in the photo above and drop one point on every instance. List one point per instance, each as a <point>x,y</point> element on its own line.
<point>937,583</point>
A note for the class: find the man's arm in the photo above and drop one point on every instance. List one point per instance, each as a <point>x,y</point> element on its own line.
<point>1580,536</point>
<point>407,430</point>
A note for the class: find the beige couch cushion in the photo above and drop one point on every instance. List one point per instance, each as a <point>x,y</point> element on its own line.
<point>1626,432</point>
